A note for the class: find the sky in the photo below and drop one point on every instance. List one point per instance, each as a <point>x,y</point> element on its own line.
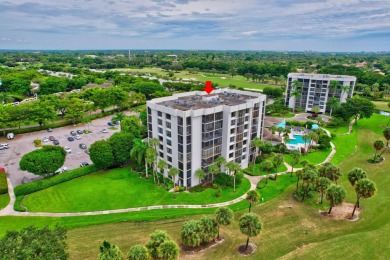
<point>281,25</point>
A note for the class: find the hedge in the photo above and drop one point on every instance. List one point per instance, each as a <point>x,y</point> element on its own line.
<point>35,186</point>
<point>18,204</point>
<point>3,183</point>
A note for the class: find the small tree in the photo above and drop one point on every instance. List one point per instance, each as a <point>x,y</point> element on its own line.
<point>378,145</point>
<point>109,252</point>
<point>316,109</point>
<point>138,252</point>
<point>191,233</point>
<point>386,134</point>
<point>267,165</point>
<point>223,216</point>
<point>213,170</point>
<point>168,250</point>
<point>322,184</point>
<point>162,165</point>
<point>157,238</point>
<point>272,128</point>
<point>335,195</point>
<point>278,160</point>
<point>139,153</point>
<point>233,168</point>
<point>173,172</point>
<point>101,154</point>
<point>220,161</point>
<point>200,174</point>
<point>250,225</point>
<point>308,177</point>
<point>296,155</point>
<point>252,197</point>
<point>355,175</point>
<point>209,229</point>
<point>364,188</point>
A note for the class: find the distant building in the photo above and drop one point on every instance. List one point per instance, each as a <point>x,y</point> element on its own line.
<point>315,90</point>
<point>195,128</point>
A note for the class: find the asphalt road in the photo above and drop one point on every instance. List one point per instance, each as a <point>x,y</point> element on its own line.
<point>23,143</point>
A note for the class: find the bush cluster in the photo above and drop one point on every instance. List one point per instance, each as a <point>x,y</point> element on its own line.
<point>224,180</point>
<point>35,186</point>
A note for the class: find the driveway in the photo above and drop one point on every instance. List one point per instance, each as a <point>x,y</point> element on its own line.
<point>23,143</point>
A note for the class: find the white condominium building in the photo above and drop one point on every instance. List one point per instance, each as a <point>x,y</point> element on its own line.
<point>315,90</point>
<point>194,128</point>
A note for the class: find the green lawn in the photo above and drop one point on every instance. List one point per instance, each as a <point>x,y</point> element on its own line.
<point>314,157</point>
<point>382,105</point>
<point>261,171</point>
<point>116,189</point>
<point>274,188</point>
<point>4,200</point>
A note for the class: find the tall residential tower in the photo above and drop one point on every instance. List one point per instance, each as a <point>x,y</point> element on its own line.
<point>195,128</point>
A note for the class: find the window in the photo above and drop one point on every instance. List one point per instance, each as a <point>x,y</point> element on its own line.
<point>168,125</point>
<point>232,139</point>
<point>160,130</point>
<point>188,139</point>
<point>161,139</point>
<point>168,133</point>
<point>188,120</point>
<point>247,110</point>
<point>159,122</point>
<point>167,116</point>
<point>232,131</point>
<point>159,113</point>
<point>169,150</point>
<point>180,120</point>
<point>246,118</point>
<point>231,155</point>
<point>231,147</point>
<point>161,147</point>
<point>233,114</point>
<point>169,142</point>
<point>169,159</point>
<point>233,122</point>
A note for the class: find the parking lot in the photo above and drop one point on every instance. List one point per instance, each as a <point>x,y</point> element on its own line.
<point>23,143</point>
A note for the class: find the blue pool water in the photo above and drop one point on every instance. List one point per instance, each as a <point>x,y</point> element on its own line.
<point>298,140</point>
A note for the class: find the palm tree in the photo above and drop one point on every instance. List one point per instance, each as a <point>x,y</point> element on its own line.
<point>312,136</point>
<point>278,160</point>
<point>355,175</point>
<point>272,128</point>
<point>139,152</point>
<point>386,134</point>
<point>151,155</point>
<point>334,85</point>
<point>223,216</point>
<point>233,168</point>
<point>322,184</point>
<point>257,143</point>
<point>153,142</point>
<point>173,172</point>
<point>252,197</point>
<point>299,174</point>
<point>308,177</point>
<point>296,88</point>
<point>280,130</point>
<point>162,165</point>
<point>138,252</point>
<point>220,161</point>
<point>305,138</point>
<point>335,195</point>
<point>267,165</point>
<point>297,95</point>
<point>378,145</point>
<point>332,103</point>
<point>200,174</point>
<point>250,225</point>
<point>213,170</point>
<point>330,171</point>
<point>118,117</point>
<point>344,90</point>
<point>296,155</point>
<point>364,188</point>
<point>5,98</point>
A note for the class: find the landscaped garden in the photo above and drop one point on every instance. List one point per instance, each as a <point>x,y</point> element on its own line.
<point>116,189</point>
<point>313,157</point>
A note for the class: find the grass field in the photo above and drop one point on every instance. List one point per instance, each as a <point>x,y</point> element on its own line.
<point>382,105</point>
<point>314,157</point>
<point>4,200</point>
<point>292,230</point>
<point>223,80</point>
<point>261,171</point>
<point>116,189</point>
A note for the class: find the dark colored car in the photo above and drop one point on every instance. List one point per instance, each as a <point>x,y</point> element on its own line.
<point>73,133</point>
<point>110,124</point>
<point>83,164</point>
<point>116,123</point>
<point>82,146</point>
<point>56,142</point>
<point>50,129</point>
<point>80,132</point>
<point>52,138</point>
<point>70,139</point>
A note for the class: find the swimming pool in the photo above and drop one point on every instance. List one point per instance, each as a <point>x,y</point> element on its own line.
<point>297,140</point>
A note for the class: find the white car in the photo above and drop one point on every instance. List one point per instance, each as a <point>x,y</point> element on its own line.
<point>67,149</point>
<point>45,139</point>
<point>4,146</point>
<point>77,137</point>
<point>104,131</point>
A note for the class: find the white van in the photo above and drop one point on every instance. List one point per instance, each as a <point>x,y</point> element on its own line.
<point>10,136</point>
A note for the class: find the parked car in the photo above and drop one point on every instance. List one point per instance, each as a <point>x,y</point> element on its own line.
<point>4,146</point>
<point>56,142</point>
<point>61,170</point>
<point>70,139</point>
<point>82,164</point>
<point>65,169</point>
<point>67,149</point>
<point>50,129</point>
<point>45,139</point>
<point>80,132</point>
<point>116,122</point>
<point>82,146</point>
<point>104,131</point>
<point>73,133</point>
<point>10,136</point>
<point>52,138</point>
<point>77,137</point>
<point>110,124</point>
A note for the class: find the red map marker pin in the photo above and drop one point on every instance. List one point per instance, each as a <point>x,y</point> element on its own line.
<point>208,87</point>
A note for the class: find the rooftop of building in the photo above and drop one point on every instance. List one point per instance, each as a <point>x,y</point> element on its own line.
<point>321,76</point>
<point>199,99</point>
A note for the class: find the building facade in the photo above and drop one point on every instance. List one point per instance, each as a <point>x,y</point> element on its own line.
<point>315,90</point>
<point>195,128</point>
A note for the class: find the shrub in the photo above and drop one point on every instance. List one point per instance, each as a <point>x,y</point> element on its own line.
<point>17,205</point>
<point>261,184</point>
<point>3,183</point>
<point>223,180</point>
<point>298,109</point>
<point>37,142</point>
<point>218,193</point>
<point>35,186</point>
<point>335,121</point>
<point>182,188</point>
<point>196,189</point>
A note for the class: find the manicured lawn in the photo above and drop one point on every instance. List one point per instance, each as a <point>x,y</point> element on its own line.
<point>4,200</point>
<point>261,171</point>
<point>274,188</point>
<point>115,189</point>
<point>340,130</point>
<point>314,157</point>
<point>381,105</point>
